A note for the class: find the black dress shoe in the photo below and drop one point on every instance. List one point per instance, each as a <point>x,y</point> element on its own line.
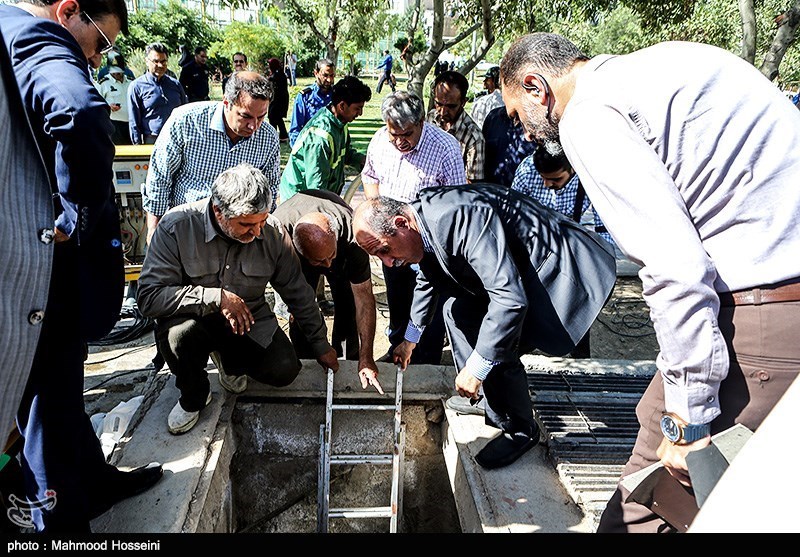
<point>505,449</point>
<point>464,405</point>
<point>125,484</point>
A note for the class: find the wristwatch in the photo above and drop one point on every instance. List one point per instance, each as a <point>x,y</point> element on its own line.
<point>678,432</point>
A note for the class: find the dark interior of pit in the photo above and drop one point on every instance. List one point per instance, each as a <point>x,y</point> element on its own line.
<point>274,470</point>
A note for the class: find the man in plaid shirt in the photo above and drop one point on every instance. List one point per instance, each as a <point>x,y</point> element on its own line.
<point>404,157</point>
<point>201,140</point>
<point>450,97</point>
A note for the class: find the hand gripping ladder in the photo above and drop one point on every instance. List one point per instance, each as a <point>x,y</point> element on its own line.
<point>326,460</point>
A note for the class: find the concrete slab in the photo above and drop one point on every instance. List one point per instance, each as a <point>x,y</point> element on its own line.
<point>195,495</point>
<point>524,497</point>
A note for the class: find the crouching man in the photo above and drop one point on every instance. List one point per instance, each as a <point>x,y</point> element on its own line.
<point>203,280</point>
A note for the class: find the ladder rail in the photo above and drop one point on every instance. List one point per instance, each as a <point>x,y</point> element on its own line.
<point>394,510</point>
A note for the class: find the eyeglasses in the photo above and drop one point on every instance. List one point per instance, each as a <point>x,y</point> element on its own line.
<point>546,91</point>
<point>239,62</point>
<point>109,45</point>
<point>157,62</point>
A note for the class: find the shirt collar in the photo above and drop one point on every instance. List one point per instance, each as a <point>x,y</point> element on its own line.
<point>211,230</point>
<point>427,245</point>
<point>217,122</point>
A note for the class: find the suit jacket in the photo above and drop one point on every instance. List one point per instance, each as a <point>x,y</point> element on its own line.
<point>72,128</point>
<point>545,276</point>
<point>26,254</point>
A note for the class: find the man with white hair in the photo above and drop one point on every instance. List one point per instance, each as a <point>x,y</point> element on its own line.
<point>203,280</point>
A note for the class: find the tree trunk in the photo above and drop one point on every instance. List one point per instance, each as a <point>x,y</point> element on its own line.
<point>787,23</point>
<point>747,11</point>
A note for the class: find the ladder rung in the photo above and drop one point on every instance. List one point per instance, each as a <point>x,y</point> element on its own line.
<point>363,407</point>
<point>363,512</point>
<point>361,459</point>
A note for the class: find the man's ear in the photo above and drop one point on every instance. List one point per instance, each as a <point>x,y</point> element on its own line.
<point>400,221</point>
<point>532,83</point>
<point>66,9</point>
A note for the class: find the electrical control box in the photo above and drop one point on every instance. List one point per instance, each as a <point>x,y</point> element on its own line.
<point>131,164</point>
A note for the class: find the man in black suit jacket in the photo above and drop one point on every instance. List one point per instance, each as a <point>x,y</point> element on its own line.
<point>518,276</point>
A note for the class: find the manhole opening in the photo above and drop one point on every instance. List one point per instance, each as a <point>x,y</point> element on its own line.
<point>273,472</point>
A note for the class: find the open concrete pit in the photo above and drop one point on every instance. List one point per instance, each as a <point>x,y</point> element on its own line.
<point>274,470</point>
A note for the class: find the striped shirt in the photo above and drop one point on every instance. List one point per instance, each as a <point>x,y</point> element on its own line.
<point>435,161</point>
<point>193,149</point>
<point>528,181</point>
<point>470,139</point>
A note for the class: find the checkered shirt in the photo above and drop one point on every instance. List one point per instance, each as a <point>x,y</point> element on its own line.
<point>528,181</point>
<point>435,161</point>
<point>470,138</point>
<point>193,149</point>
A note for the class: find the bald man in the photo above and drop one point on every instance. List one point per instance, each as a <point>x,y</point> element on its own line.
<point>320,224</point>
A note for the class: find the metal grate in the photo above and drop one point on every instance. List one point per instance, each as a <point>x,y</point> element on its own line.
<point>589,422</point>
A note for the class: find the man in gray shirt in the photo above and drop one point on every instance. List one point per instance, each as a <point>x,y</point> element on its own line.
<point>700,188</point>
<point>204,278</point>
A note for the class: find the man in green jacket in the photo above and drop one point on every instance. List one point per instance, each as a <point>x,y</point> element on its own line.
<point>323,147</point>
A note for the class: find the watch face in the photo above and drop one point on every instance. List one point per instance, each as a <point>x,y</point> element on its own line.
<point>670,429</point>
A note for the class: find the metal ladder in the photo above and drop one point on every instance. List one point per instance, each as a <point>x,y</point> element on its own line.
<point>326,460</point>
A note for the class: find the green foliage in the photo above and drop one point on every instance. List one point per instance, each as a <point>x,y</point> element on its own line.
<point>170,23</point>
<point>258,42</point>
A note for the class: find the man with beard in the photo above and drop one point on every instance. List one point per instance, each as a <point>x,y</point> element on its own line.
<point>700,188</point>
<point>202,139</point>
<point>203,280</point>
<point>312,98</point>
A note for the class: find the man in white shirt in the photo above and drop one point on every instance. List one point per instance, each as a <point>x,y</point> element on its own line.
<point>699,187</point>
<point>114,88</point>
<point>491,100</point>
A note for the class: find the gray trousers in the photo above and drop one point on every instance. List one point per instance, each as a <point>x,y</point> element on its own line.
<point>764,361</point>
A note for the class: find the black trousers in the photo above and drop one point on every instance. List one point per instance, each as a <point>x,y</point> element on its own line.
<point>507,399</point>
<point>386,77</point>
<point>186,342</point>
<point>277,121</point>
<point>121,135</point>
<point>400,283</point>
<point>344,336</point>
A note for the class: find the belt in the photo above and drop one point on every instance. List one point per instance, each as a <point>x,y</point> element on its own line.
<point>787,291</point>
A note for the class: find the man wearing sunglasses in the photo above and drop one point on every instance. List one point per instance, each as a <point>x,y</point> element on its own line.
<point>700,187</point>
<point>68,481</point>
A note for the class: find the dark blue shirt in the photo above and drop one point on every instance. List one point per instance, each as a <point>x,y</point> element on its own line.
<point>150,102</point>
<point>506,147</point>
<point>194,78</point>
<point>306,104</point>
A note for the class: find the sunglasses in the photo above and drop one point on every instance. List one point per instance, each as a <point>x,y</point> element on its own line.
<point>109,45</point>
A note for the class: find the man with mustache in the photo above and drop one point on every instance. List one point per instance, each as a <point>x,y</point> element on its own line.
<point>404,157</point>
<point>203,280</point>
